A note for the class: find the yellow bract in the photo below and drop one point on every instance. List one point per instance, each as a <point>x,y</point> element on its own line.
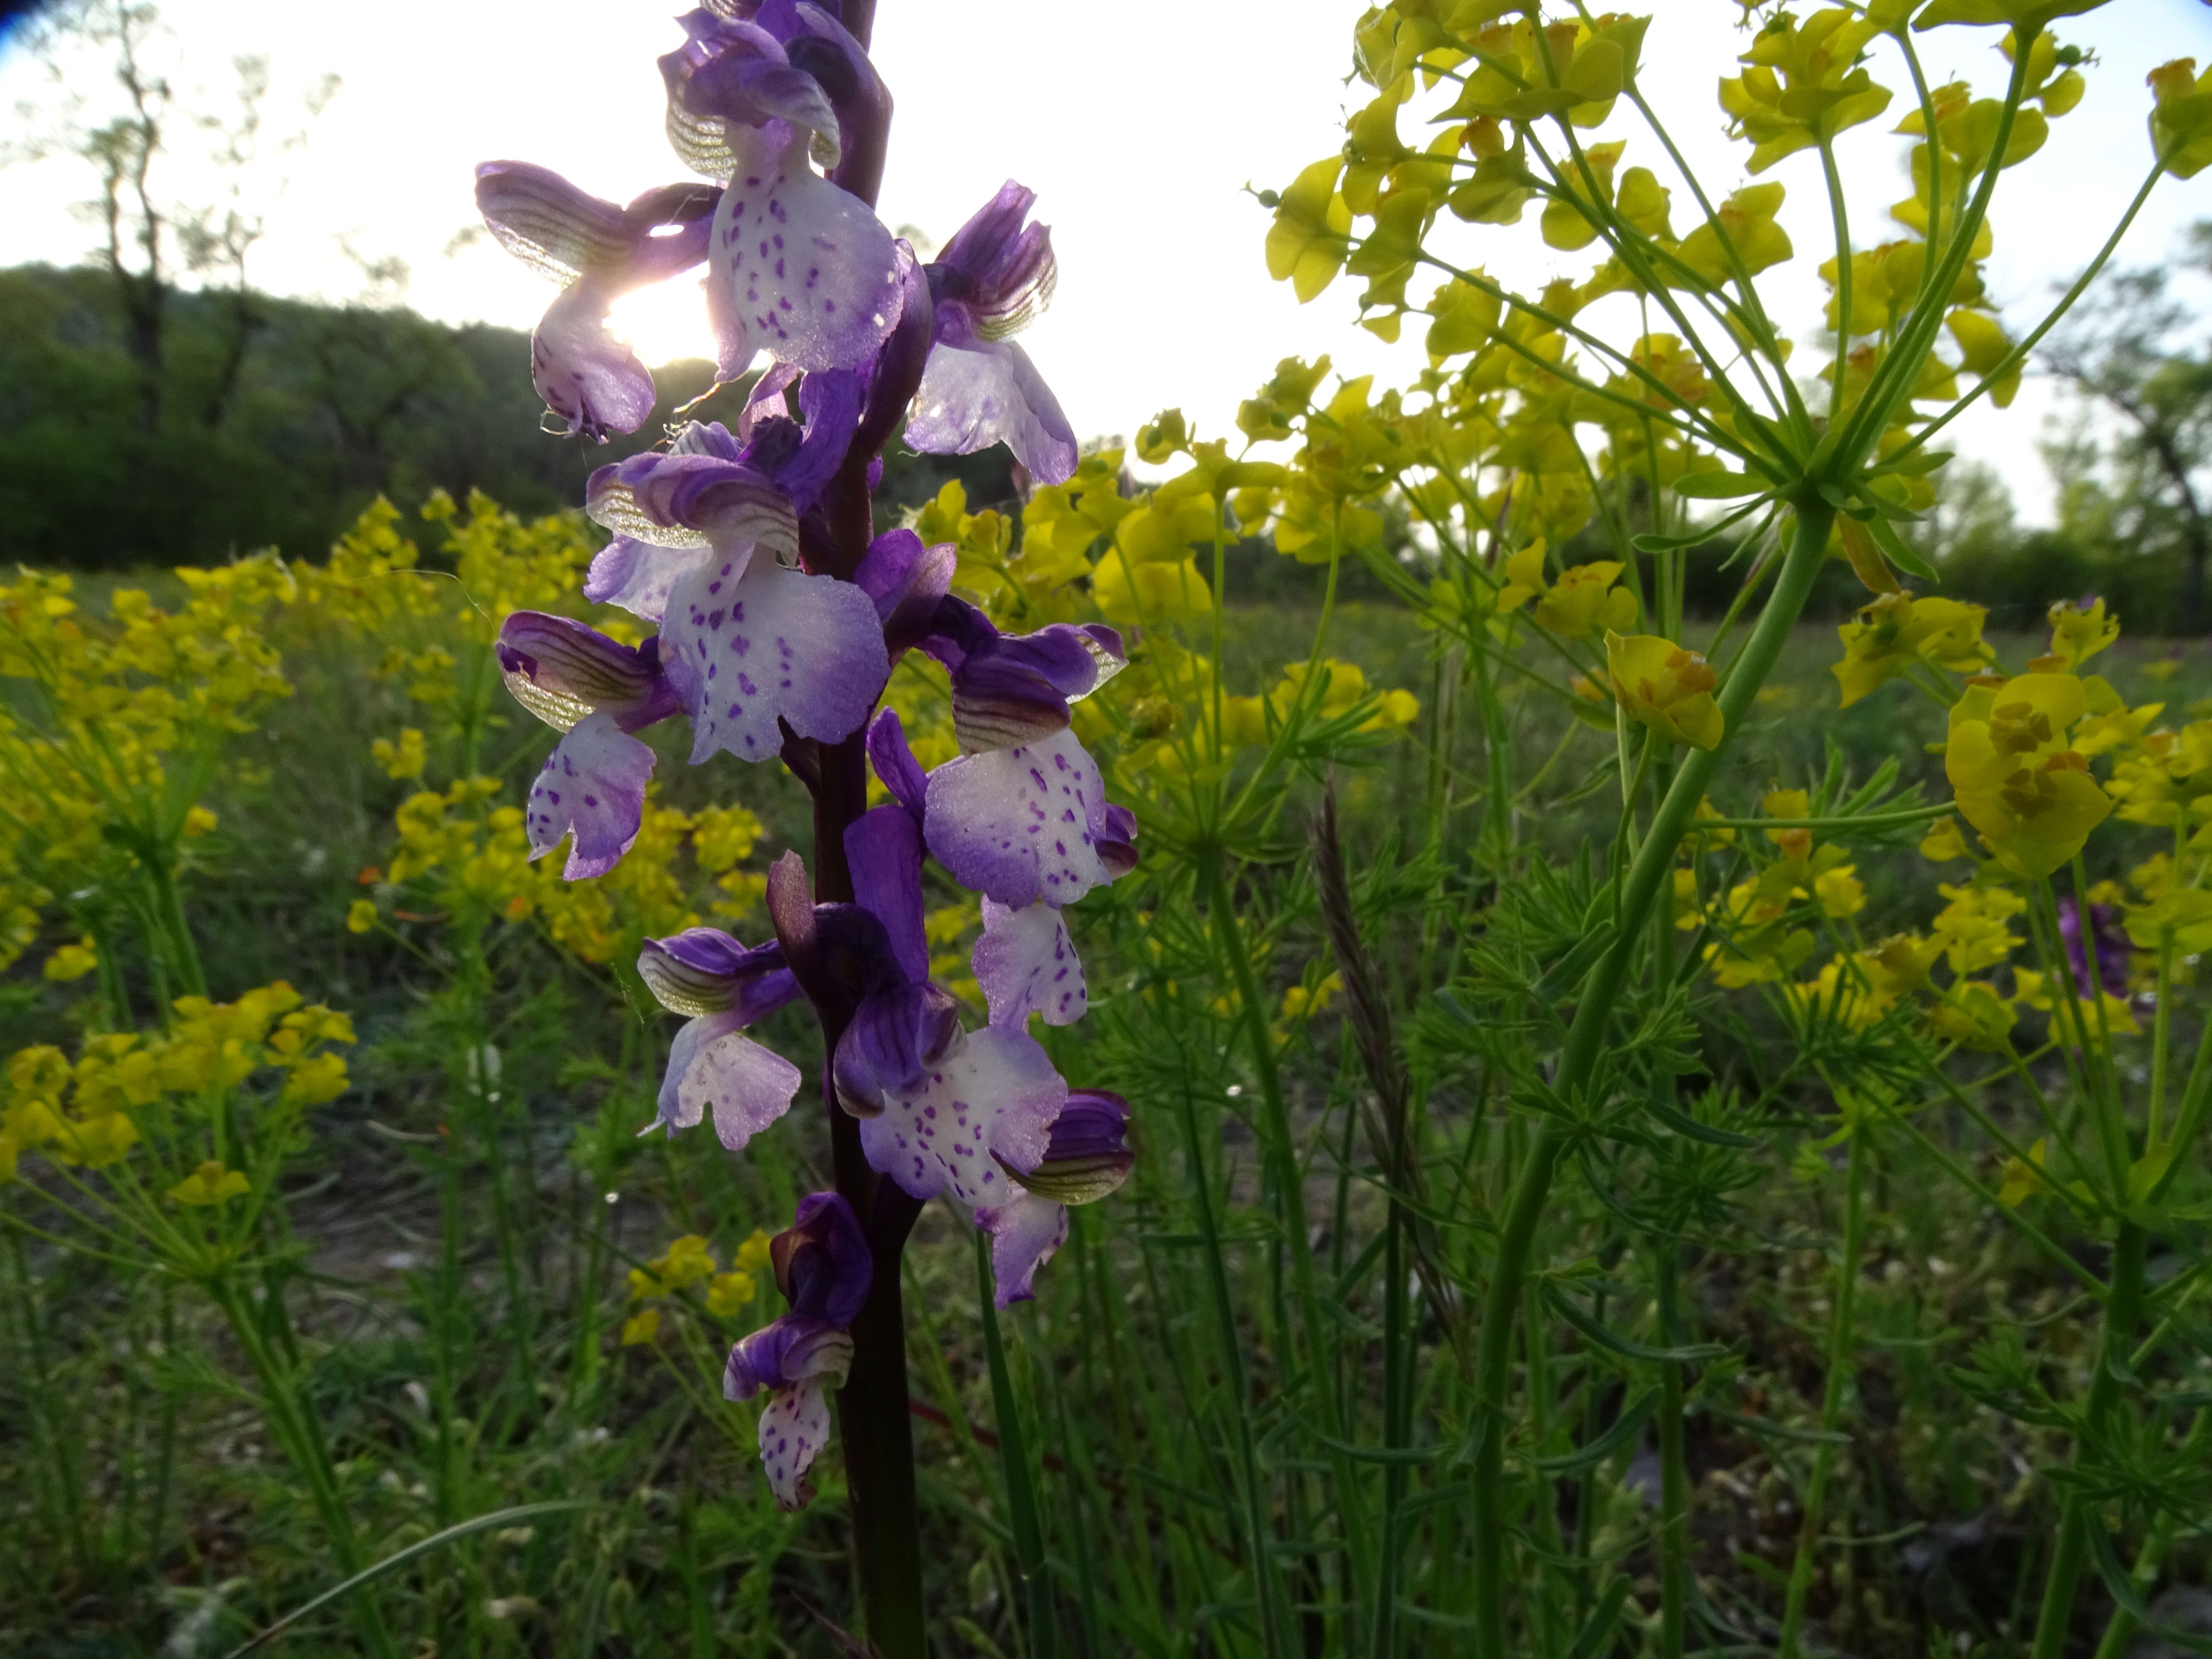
<point>1665,687</point>
<point>209,1185</point>
<point>1583,602</point>
<point>2018,780</point>
<point>1896,630</point>
<point>1307,244</point>
<point>2181,117</point>
<point>1804,85</point>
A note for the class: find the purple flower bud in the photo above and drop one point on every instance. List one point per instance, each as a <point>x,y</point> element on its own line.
<point>561,669</point>
<point>897,1037</point>
<point>882,849</point>
<point>1000,273</point>
<point>735,74</point>
<point>894,763</point>
<point>702,971</point>
<point>907,581</point>
<point>824,1268</point>
<point>822,1261</point>
<point>1087,1157</point>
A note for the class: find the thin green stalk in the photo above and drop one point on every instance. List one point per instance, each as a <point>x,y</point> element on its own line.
<point>1654,868</point>
<point>1673,1470</point>
<point>1842,1334</point>
<point>2122,1309</point>
<point>292,1425</point>
<point>1275,1634</point>
<point>1014,1466</point>
<point>1282,1156</point>
<point>1397,1407</point>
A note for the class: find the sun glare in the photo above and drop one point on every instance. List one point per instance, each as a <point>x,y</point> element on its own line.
<point>665,323</point>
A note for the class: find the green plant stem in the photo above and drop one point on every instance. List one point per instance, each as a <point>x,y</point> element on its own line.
<point>2122,1309</point>
<point>1842,1332</point>
<point>294,1426</point>
<point>1674,1469</point>
<point>1653,868</point>
<point>1258,1537</point>
<point>1283,1161</point>
<point>1014,1465</point>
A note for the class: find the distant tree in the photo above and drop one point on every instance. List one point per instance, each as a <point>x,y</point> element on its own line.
<point>2133,351</point>
<point>129,132</point>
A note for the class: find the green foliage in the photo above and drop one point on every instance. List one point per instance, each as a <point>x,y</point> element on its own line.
<point>331,407</point>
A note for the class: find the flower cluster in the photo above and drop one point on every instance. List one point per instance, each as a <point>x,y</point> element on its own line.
<point>164,1099</point>
<point>2021,754</point>
<point>127,716</point>
<point>776,617</point>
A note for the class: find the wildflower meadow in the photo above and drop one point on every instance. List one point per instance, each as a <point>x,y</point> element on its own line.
<point>1271,1042</point>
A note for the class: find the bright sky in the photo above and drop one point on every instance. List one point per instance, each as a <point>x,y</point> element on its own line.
<point>1138,125</point>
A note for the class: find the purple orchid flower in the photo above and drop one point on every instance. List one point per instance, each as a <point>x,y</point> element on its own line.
<point>942,1109</point>
<point>749,645</point>
<point>797,267</point>
<point>1013,689</point>
<point>992,280</point>
<point>723,988</point>
<point>1021,818</point>
<point>823,1268</point>
<point>1086,1158</point>
<point>597,252</point>
<point>596,692</point>
<point>2115,951</point>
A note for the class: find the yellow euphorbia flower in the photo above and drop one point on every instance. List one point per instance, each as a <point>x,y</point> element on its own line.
<point>2035,991</point>
<point>1983,345</point>
<point>2181,116</point>
<point>1582,601</point>
<point>1666,687</point>
<point>1972,928</point>
<point>1972,1015</point>
<point>1747,218</point>
<point>2182,915</point>
<point>756,1255</point>
<point>209,1185</point>
<point>1897,629</point>
<point>1843,991</point>
<point>730,1294</point>
<point>1307,244</point>
<point>1839,892</point>
<point>1298,1003</point>
<point>404,759</point>
<point>72,960</point>
<point>1803,84</point>
<point>1943,842</point>
<point>2018,780</point>
<point>2078,632</point>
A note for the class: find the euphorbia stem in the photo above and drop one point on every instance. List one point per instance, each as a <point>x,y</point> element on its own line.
<point>1532,1187</point>
<point>1840,1342</point>
<point>2122,1312</point>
